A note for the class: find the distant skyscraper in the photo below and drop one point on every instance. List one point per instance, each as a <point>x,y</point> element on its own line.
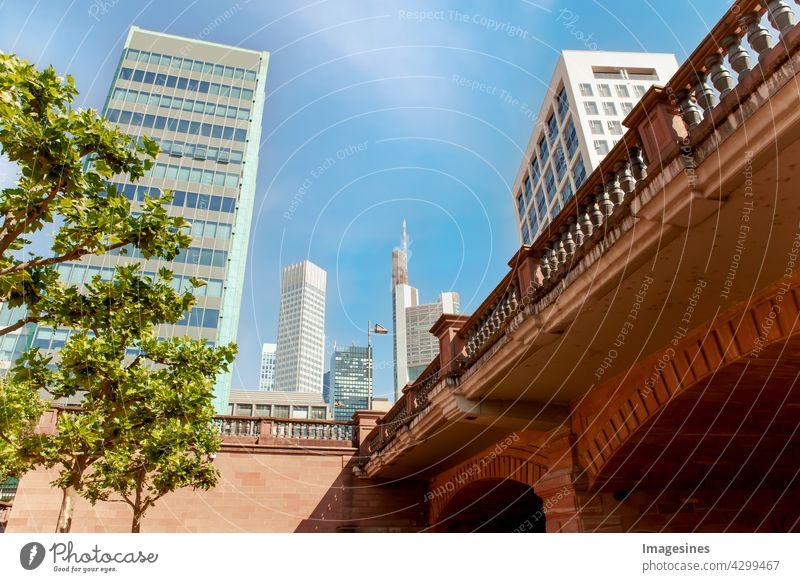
<point>350,386</point>
<point>267,379</point>
<point>300,352</point>
<point>202,102</point>
<point>414,346</point>
<point>326,387</point>
<point>580,120</point>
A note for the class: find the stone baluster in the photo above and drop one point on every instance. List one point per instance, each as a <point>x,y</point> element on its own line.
<point>720,75</point>
<point>781,16</point>
<point>638,167</point>
<point>585,220</point>
<point>567,231</point>
<point>705,95</point>
<point>575,231</point>
<point>561,250</point>
<point>595,213</point>
<point>552,257</point>
<point>603,201</point>
<point>738,58</point>
<point>625,180</point>
<point>758,37</point>
<point>545,266</point>
<point>613,190</point>
<point>689,111</point>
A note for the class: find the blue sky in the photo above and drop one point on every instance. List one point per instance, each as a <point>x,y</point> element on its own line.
<point>368,121</point>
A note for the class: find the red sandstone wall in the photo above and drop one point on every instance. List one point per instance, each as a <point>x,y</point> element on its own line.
<point>260,491</point>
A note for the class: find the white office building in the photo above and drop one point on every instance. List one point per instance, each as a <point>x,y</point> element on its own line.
<point>267,377</point>
<point>589,95</point>
<point>299,356</point>
<point>414,346</point>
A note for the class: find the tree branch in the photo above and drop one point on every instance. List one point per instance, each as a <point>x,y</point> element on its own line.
<point>10,232</point>
<point>70,256</point>
<point>19,324</point>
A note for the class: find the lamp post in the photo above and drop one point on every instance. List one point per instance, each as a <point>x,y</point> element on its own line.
<point>379,330</point>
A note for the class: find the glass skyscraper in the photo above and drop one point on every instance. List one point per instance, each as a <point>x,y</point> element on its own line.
<point>350,381</point>
<point>203,103</point>
<point>267,377</point>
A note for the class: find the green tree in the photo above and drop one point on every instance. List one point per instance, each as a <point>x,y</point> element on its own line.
<point>145,401</point>
<point>66,157</point>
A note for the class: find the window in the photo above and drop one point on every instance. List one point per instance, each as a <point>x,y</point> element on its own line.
<point>579,173</point>
<point>552,127</point>
<point>571,138</point>
<point>318,412</point>
<point>541,204</point>
<point>244,410</point>
<point>567,193</point>
<point>544,153</point>
<point>604,90</point>
<point>550,184</point>
<point>563,103</point>
<point>639,90</point>
<point>526,235</point>
<point>534,220</point>
<point>300,412</point>
<point>596,127</point>
<point>609,108</point>
<point>561,162</point>
<point>585,89</point>
<point>626,107</point>
<point>614,128</point>
<point>591,107</point>
<point>521,205</point>
<point>622,91</point>
<point>535,173</point>
<point>262,409</point>
<point>528,191</point>
<point>601,147</point>
<point>280,411</point>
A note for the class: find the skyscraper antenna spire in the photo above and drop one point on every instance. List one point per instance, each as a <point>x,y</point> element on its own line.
<point>405,239</point>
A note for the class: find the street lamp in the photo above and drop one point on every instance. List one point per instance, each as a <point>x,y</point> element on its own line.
<point>379,330</point>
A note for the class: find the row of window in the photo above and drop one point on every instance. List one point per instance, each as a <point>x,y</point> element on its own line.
<point>78,274</point>
<point>205,107</point>
<point>181,199</point>
<point>538,212</point>
<point>200,317</point>
<point>210,229</point>
<point>190,65</point>
<point>280,411</point>
<point>151,121</point>
<point>596,127</point>
<point>200,151</point>
<point>631,74</point>
<point>191,256</point>
<point>609,107</point>
<point>184,83</point>
<point>604,90</point>
<point>196,175</point>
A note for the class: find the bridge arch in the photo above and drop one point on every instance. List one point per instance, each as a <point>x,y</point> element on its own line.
<point>489,469</point>
<point>702,388</point>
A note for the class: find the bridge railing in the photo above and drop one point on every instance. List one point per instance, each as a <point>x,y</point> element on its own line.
<point>261,430</point>
<point>743,38</point>
<point>416,397</point>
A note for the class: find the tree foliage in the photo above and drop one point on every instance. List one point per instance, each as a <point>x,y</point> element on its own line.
<point>66,158</point>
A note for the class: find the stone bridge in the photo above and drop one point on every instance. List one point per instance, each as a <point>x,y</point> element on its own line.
<point>635,370</point>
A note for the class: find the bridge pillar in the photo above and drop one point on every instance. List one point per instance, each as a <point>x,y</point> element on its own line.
<point>451,344</point>
<point>657,120</point>
<point>568,505</point>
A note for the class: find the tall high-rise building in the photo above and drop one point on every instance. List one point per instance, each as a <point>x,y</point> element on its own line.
<point>414,346</point>
<point>300,354</point>
<point>580,120</point>
<point>326,387</point>
<point>267,377</point>
<point>350,379</point>
<point>203,103</point>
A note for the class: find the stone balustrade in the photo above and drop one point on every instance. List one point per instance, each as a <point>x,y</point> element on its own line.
<point>739,43</point>
<point>414,400</point>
